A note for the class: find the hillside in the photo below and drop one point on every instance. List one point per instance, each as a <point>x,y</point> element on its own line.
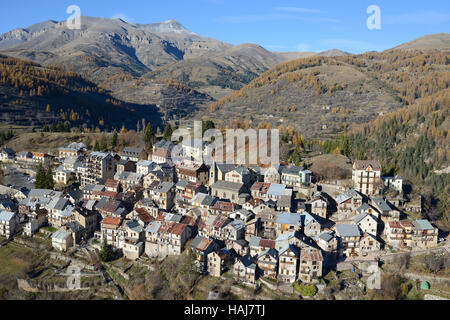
<point>439,41</point>
<point>323,95</point>
<point>415,143</point>
<point>33,95</point>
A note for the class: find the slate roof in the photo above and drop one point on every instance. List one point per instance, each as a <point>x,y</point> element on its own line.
<point>326,236</point>
<point>381,204</point>
<point>134,225</point>
<point>271,252</point>
<point>359,217</point>
<point>60,234</point>
<point>164,187</point>
<point>290,218</point>
<point>422,225</point>
<point>289,247</point>
<point>292,170</point>
<point>225,167</point>
<point>363,164</point>
<point>276,189</point>
<point>247,261</point>
<point>347,230</point>
<point>227,185</point>
<point>6,215</point>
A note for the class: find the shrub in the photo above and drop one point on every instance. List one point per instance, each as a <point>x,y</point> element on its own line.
<point>305,290</point>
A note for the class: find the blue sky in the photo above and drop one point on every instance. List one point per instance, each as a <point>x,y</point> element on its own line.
<point>279,25</point>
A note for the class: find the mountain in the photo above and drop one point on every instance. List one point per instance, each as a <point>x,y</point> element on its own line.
<point>33,95</point>
<point>105,50</point>
<point>105,46</point>
<point>220,73</point>
<point>323,95</point>
<point>438,41</point>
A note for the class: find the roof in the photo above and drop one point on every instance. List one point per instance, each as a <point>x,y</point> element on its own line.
<point>161,152</point>
<point>284,201</point>
<point>58,204</point>
<point>290,218</point>
<point>364,207</point>
<point>60,234</point>
<point>359,217</point>
<point>164,187</point>
<point>163,144</point>
<point>311,254</point>
<point>134,225</point>
<point>381,204</point>
<point>289,247</point>
<point>326,236</point>
<point>38,193</point>
<point>347,195</point>
<point>347,230</point>
<point>306,218</point>
<point>293,170</point>
<point>178,228</point>
<point>422,224</point>
<point>111,205</point>
<point>130,150</point>
<point>112,221</point>
<point>247,261</point>
<point>6,215</point>
<point>271,252</point>
<point>241,170</point>
<point>225,167</point>
<point>286,236</point>
<point>182,184</point>
<point>364,164</point>
<point>153,227</point>
<point>276,189</point>
<point>232,186</point>
<point>260,186</point>
<point>202,243</point>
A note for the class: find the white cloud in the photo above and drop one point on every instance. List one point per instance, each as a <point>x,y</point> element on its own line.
<point>303,47</point>
<point>299,10</point>
<point>272,17</point>
<point>429,17</point>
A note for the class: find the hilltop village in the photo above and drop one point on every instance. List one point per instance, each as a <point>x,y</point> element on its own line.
<point>271,224</point>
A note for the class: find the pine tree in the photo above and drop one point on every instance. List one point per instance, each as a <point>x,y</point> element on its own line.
<point>103,143</point>
<point>40,177</point>
<point>168,132</point>
<point>149,136</point>
<point>49,182</point>
<point>106,254</point>
<point>96,146</point>
<point>114,139</point>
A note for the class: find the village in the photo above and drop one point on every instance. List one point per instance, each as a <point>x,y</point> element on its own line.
<point>272,225</point>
